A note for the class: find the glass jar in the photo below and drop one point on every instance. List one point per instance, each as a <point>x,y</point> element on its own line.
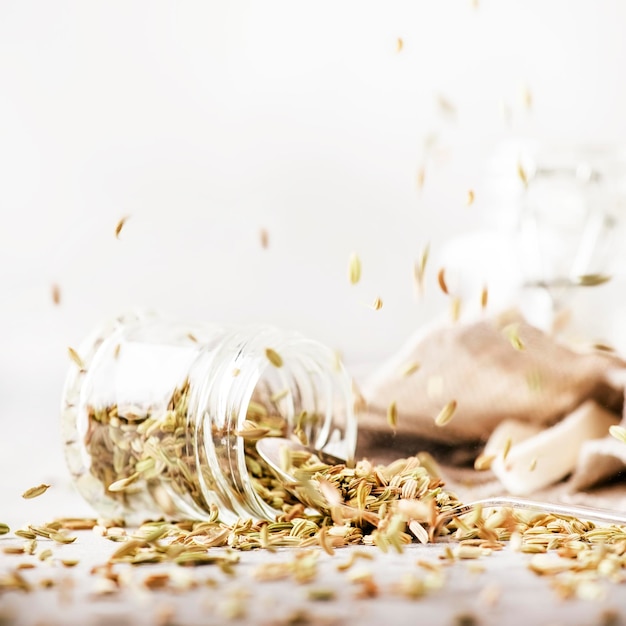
<point>160,418</point>
<point>564,205</point>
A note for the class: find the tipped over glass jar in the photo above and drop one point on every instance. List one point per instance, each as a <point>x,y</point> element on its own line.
<point>160,419</point>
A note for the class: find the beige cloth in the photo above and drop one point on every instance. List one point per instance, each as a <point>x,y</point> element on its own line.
<point>493,377</point>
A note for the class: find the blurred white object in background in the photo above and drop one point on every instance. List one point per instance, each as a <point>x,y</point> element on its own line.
<point>560,214</point>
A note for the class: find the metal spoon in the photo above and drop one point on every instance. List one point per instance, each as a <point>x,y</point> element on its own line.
<point>269,450</point>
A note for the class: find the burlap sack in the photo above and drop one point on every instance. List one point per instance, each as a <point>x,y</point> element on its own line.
<point>496,368</point>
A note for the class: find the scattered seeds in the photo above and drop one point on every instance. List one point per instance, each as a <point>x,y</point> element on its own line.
<point>321,594</point>
<point>377,304</point>
<point>119,226</point>
<point>33,492</point>
<point>273,357</point>
<point>4,529</point>
<point>469,197</point>
<point>399,44</point>
<point>533,465</point>
<point>24,534</point>
<point>44,555</point>
<point>446,414</point>
<point>354,269</point>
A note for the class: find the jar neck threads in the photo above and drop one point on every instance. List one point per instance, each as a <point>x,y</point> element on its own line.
<point>163,419</point>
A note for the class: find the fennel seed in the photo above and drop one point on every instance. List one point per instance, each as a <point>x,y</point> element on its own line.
<point>273,357</point>
<point>354,268</point>
<point>441,279</point>
<point>120,225</point>
<point>75,357</point>
<point>446,414</point>
<point>34,492</point>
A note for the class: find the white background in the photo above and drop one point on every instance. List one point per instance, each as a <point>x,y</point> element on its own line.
<point>207,121</point>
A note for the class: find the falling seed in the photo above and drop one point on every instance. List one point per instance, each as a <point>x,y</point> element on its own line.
<point>285,459</point>
<point>4,529</point>
<point>33,492</point>
<point>592,280</point>
<point>521,172</point>
<point>75,357</point>
<point>273,357</point>
<point>392,415</point>
<point>399,44</point>
<point>441,279</point>
<point>321,594</point>
<point>512,332</point>
<point>116,351</point>
<point>603,347</point>
<point>409,368</point>
<point>455,309</point>
<point>445,106</point>
<point>446,414</point>
<point>484,298</point>
<point>236,372</point>
<point>119,226</point>
<point>56,294</point>
<point>619,432</point>
<point>533,465</point>
<point>507,448</point>
<point>419,268</point>
<point>354,269</point>
<point>483,462</point>
<point>420,177</point>
<point>377,304</point>
<point>265,238</point>
<point>469,198</point>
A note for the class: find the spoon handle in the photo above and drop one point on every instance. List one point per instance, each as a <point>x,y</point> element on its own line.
<point>594,514</point>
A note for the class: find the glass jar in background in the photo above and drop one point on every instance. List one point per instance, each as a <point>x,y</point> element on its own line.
<point>161,419</point>
<point>564,207</point>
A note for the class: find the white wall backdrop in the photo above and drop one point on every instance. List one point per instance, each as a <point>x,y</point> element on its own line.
<point>207,121</point>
